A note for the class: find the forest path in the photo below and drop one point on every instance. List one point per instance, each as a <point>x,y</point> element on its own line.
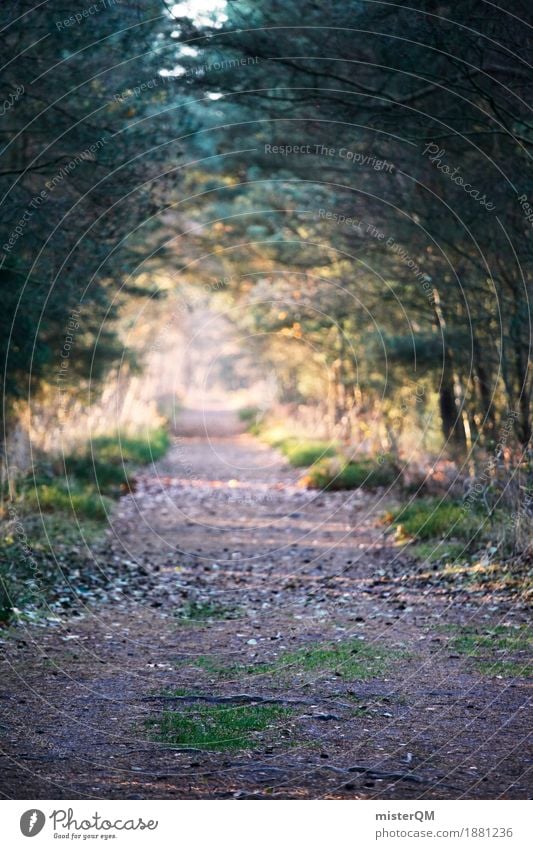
<point>241,587</point>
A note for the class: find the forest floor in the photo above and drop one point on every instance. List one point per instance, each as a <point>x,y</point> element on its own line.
<point>262,641</point>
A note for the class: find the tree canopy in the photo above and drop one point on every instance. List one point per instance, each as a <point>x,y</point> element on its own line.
<point>360,171</point>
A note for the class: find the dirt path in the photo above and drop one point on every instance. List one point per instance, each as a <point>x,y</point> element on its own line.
<point>240,587</point>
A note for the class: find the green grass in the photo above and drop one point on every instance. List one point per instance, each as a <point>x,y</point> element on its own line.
<point>138,450</point>
<point>80,483</point>
<point>300,451</point>
<point>305,452</point>
<point>108,476</point>
<point>212,665</point>
<point>498,638</point>
<point>506,668</point>
<point>46,538</point>
<point>249,414</point>
<point>59,531</point>
<point>327,467</point>
<point>354,474</point>
<point>107,462</point>
<point>201,612</point>
<point>439,551</point>
<point>61,489</point>
<point>352,659</point>
<point>68,497</point>
<point>217,727</point>
<point>489,647</point>
<point>28,568</point>
<point>434,518</point>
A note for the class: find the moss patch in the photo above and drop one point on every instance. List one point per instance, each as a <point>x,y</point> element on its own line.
<point>217,727</point>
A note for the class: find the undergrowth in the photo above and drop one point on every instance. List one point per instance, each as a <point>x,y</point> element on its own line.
<point>327,465</point>
<point>351,474</point>
<point>63,504</point>
<point>443,519</point>
<point>299,450</point>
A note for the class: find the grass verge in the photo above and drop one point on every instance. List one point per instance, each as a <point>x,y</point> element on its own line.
<point>249,415</point>
<point>338,473</point>
<point>437,518</point>
<point>464,547</point>
<point>300,451</point>
<point>67,497</point>
<point>328,468</point>
<point>107,463</point>
<point>61,507</point>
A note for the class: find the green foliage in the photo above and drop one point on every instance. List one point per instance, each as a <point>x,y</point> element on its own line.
<point>354,474</point>
<point>303,452</point>
<point>434,518</point>
<point>328,468</point>
<point>140,450</point>
<point>68,497</point>
<point>299,450</point>
<point>100,470</point>
<point>59,267</point>
<point>218,727</point>
<point>105,475</point>
<point>107,463</point>
<point>248,414</point>
<point>47,504</point>
<point>469,342</point>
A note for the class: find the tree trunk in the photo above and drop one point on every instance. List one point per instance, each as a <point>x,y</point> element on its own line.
<point>450,400</point>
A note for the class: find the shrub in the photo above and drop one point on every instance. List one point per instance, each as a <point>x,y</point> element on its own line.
<point>107,477</point>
